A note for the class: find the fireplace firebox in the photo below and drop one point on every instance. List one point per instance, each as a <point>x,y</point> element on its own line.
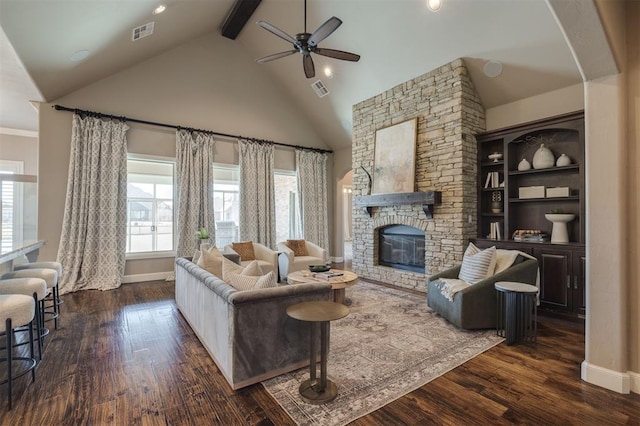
<point>401,247</point>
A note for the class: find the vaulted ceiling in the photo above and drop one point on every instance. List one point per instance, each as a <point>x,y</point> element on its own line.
<point>397,40</point>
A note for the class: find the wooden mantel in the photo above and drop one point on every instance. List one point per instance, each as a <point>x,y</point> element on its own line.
<point>428,199</point>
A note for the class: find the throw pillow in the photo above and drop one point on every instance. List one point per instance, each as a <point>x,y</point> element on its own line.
<point>253,269</point>
<point>211,261</point>
<point>476,264</point>
<point>299,247</point>
<point>245,250</point>
<point>229,267</point>
<point>245,282</point>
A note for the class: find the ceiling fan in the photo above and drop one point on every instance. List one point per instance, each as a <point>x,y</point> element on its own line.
<point>306,43</point>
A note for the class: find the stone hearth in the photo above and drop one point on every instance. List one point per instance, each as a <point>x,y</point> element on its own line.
<point>449,113</point>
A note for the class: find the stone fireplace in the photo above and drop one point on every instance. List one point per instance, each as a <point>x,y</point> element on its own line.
<point>449,113</point>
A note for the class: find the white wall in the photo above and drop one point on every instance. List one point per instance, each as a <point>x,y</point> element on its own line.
<point>548,104</point>
<point>20,148</point>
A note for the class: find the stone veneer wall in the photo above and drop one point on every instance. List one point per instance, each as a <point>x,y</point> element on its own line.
<point>449,113</point>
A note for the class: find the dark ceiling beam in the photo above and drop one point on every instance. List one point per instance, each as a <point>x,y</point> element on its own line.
<point>238,17</point>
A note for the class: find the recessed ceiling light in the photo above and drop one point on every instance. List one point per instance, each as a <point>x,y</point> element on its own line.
<point>434,5</point>
<point>492,69</point>
<point>328,72</point>
<point>158,10</point>
<point>79,55</point>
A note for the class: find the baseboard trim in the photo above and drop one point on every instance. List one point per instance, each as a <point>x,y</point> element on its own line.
<point>635,381</point>
<point>603,377</point>
<point>155,276</point>
<point>336,259</point>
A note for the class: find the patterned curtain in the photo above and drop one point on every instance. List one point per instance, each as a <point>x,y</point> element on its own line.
<point>194,170</point>
<point>311,168</point>
<point>94,230</point>
<point>257,198</point>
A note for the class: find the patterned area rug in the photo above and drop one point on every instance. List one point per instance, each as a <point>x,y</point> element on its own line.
<point>390,344</point>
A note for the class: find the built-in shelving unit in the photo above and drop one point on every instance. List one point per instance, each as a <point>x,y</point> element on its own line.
<point>561,265</point>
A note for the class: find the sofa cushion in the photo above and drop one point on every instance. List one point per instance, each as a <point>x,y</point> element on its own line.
<point>245,250</point>
<point>211,260</point>
<point>299,247</point>
<point>246,282</point>
<point>477,264</point>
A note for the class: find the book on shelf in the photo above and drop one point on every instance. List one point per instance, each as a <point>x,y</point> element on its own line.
<point>493,180</point>
<point>531,235</point>
<point>495,231</point>
<point>328,275</point>
<point>539,238</point>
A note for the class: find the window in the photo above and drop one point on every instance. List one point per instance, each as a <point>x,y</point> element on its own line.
<point>286,193</point>
<point>10,203</point>
<point>226,203</point>
<point>149,206</point>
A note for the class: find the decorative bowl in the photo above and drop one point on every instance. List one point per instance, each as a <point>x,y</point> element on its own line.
<point>319,268</point>
<point>496,156</point>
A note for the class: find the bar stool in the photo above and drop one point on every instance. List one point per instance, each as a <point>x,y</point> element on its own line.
<point>43,265</point>
<point>17,310</point>
<point>37,288</point>
<point>51,277</point>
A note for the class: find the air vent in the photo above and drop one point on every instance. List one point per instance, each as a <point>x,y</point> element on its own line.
<point>320,89</point>
<point>142,31</point>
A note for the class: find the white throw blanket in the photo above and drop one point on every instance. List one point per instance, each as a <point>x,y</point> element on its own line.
<point>504,259</point>
<point>450,286</point>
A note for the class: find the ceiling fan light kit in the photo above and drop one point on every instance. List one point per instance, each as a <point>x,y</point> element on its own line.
<point>306,44</point>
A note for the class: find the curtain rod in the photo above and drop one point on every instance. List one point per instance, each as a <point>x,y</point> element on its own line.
<point>172,126</point>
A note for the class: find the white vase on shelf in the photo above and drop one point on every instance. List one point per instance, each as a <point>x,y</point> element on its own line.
<point>559,232</point>
<point>524,165</point>
<point>543,158</point>
<point>563,160</point>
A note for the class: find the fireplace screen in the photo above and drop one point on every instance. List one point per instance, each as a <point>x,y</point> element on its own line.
<point>401,247</point>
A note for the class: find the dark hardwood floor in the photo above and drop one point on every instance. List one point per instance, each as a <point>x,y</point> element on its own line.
<point>127,357</point>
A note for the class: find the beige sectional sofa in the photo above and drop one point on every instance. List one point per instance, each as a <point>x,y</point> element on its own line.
<point>247,333</point>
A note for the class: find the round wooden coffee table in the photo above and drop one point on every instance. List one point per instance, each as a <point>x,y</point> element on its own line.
<point>338,284</point>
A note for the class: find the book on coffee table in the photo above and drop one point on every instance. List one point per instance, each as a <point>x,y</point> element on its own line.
<point>328,275</point>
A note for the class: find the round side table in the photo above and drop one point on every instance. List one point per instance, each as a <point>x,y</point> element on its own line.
<point>516,318</point>
<point>320,313</point>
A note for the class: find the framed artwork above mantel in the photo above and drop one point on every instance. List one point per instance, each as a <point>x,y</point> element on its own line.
<point>394,163</point>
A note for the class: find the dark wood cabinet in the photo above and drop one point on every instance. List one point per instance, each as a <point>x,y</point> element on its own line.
<point>579,293</point>
<point>502,209</point>
<point>562,283</point>
<point>555,279</point>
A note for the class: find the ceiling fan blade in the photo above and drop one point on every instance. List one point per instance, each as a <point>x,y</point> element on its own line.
<point>324,31</point>
<point>277,31</point>
<point>276,56</point>
<point>337,54</point>
<point>309,68</point>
